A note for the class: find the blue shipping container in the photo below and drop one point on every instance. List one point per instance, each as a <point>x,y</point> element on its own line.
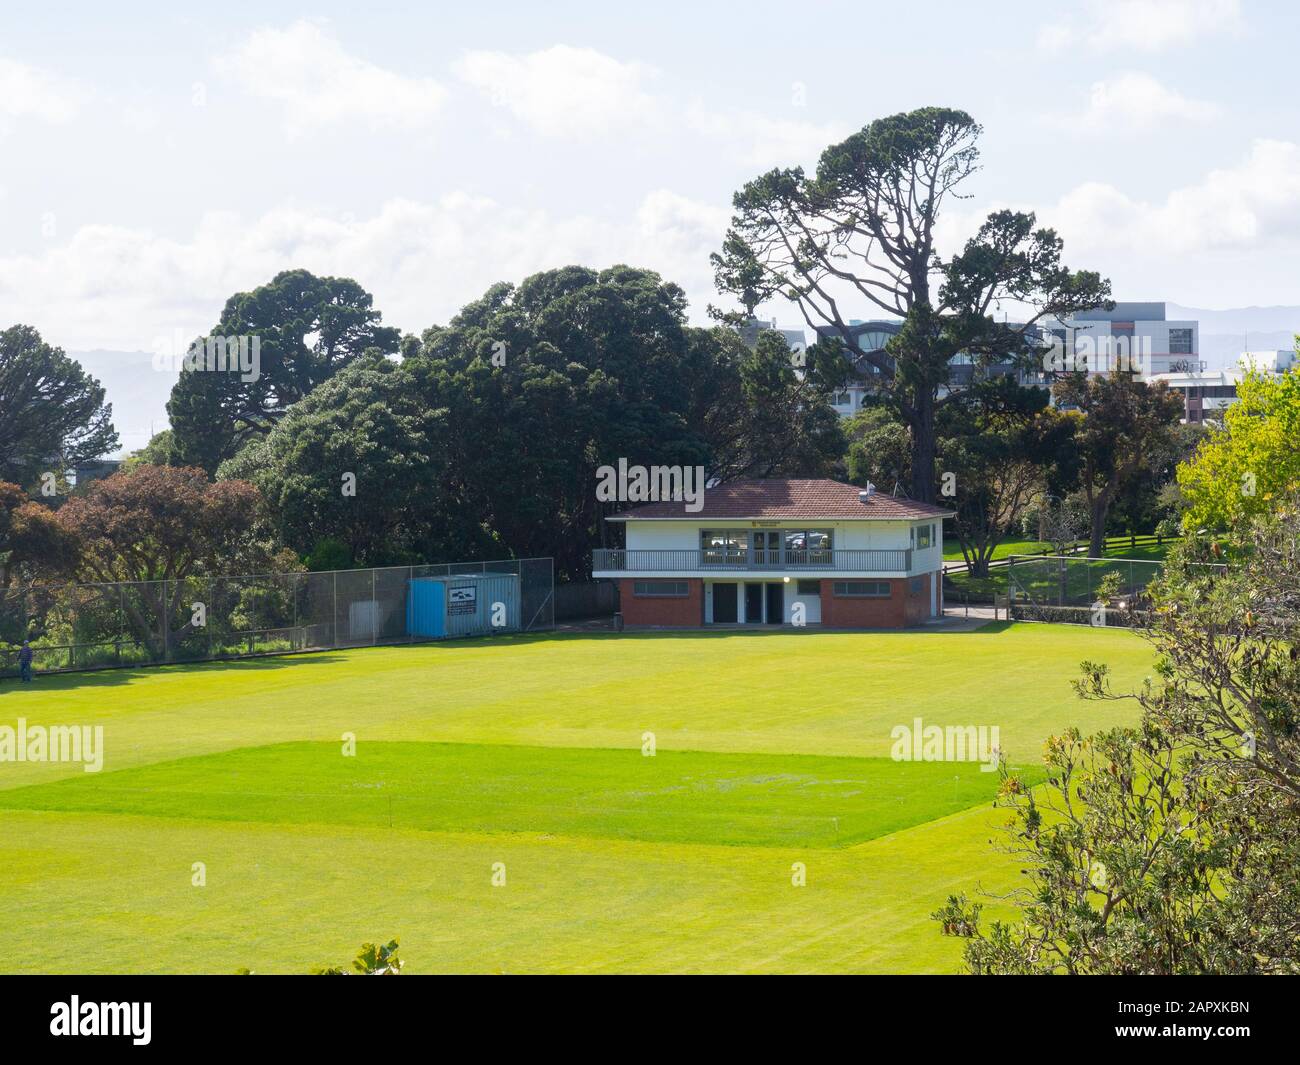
<point>463,605</point>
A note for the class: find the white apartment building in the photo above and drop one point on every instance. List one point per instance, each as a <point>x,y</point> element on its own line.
<point>1135,336</point>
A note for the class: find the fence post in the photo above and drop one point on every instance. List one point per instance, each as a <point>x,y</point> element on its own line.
<point>374,612</point>
<point>72,648</point>
<point>335,612</point>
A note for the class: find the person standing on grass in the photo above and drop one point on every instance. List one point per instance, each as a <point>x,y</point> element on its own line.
<point>25,663</point>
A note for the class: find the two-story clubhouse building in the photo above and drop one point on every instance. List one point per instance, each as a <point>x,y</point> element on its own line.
<point>780,552</point>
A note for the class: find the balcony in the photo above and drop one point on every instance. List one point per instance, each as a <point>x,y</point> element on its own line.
<point>867,560</point>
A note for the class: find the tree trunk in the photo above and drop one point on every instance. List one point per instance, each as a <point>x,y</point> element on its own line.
<point>1097,532</point>
<point>921,423</point>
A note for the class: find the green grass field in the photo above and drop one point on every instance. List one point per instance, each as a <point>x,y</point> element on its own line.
<point>523,756</point>
<point>952,549</point>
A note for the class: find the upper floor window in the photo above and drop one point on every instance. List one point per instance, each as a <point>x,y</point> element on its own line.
<point>925,536</point>
<point>1180,342</point>
<point>723,546</point>
<point>807,539</point>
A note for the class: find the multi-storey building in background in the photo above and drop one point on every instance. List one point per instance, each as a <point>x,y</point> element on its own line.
<point>1207,393</point>
<point>1130,336</point>
<point>1133,336</point>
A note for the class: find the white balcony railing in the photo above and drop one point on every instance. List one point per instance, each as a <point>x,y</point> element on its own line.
<point>684,560</point>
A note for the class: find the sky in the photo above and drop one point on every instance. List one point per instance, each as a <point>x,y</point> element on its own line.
<point>158,158</point>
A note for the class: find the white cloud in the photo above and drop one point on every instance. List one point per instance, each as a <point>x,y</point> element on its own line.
<point>1253,206</point>
<point>26,92</point>
<point>120,288</point>
<point>1231,238</point>
<point>319,83</point>
<point>763,140</point>
<point>564,91</point>
<point>1136,101</point>
<point>1143,25</point>
<point>579,93</point>
<point>675,234</point>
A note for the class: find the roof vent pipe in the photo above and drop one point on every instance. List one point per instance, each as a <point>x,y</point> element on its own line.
<point>866,493</point>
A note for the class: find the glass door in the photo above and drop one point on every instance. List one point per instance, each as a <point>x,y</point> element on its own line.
<point>775,603</point>
<point>765,548</point>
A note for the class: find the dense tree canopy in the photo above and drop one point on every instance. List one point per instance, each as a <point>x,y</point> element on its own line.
<point>32,542</point>
<point>307,328</point>
<point>1122,422</point>
<point>52,414</point>
<point>1251,462</point>
<point>360,462</point>
<point>164,524</point>
<point>1001,445</point>
<point>879,449</point>
<point>1171,847</point>
<point>862,230</point>
<point>575,368</point>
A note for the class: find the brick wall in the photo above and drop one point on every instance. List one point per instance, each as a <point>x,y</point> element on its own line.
<point>917,609</point>
<point>903,607</point>
<point>855,613</point>
<point>653,610</point>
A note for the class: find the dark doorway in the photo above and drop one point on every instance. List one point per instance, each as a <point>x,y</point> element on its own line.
<point>775,603</point>
<point>724,603</point>
<point>753,604</point>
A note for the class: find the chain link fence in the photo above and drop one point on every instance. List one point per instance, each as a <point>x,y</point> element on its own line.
<point>104,626</point>
<point>1066,588</point>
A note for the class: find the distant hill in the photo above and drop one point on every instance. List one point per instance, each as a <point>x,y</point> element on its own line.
<point>1221,350</point>
<point>137,391</point>
<point>1239,320</point>
<point>1226,334</point>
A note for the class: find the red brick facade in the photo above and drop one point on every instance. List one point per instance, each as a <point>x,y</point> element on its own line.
<point>903,607</point>
<point>682,612</point>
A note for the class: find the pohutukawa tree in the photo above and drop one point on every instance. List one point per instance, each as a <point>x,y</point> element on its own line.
<point>861,232</point>
<point>545,381</point>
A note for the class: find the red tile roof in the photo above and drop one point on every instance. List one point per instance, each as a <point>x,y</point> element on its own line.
<point>791,499</point>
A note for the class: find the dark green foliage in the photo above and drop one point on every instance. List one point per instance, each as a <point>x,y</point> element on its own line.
<point>1172,847</point>
<point>361,462</point>
<point>573,369</point>
<point>861,230</point>
<point>52,414</point>
<point>309,328</point>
